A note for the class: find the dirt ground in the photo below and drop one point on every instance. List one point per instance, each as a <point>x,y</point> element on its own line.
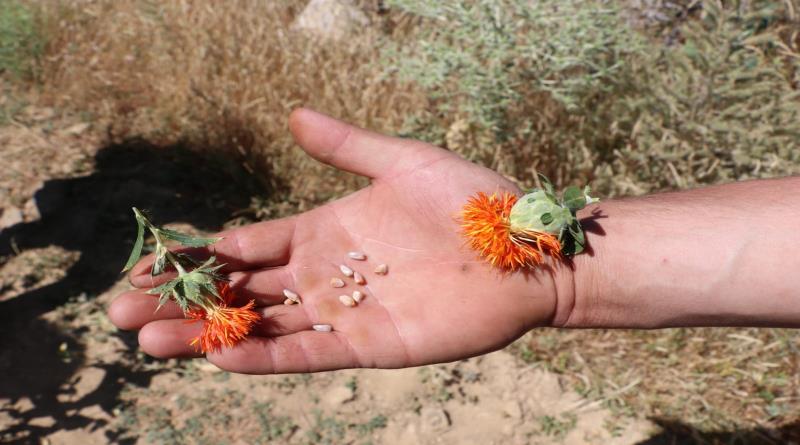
<point>72,378</point>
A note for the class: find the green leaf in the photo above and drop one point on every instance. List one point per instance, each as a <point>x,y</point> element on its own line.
<point>165,288</point>
<point>187,240</point>
<point>547,218</point>
<point>164,291</point>
<point>177,295</point>
<point>192,292</point>
<point>136,253</point>
<point>546,184</point>
<point>586,194</point>
<point>578,237</point>
<point>574,199</point>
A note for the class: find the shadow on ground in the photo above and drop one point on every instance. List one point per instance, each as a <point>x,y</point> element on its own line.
<point>92,215</point>
<point>677,433</point>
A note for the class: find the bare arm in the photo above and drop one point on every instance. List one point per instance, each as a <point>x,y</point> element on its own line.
<point>717,256</point>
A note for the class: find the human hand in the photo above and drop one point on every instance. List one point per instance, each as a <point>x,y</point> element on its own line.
<point>438,302</point>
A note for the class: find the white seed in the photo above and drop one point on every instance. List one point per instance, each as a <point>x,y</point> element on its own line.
<point>347,300</point>
<point>291,295</point>
<point>337,282</point>
<point>359,278</point>
<point>322,327</point>
<point>357,296</point>
<point>382,269</point>
<point>357,256</point>
<point>289,301</point>
<point>348,272</point>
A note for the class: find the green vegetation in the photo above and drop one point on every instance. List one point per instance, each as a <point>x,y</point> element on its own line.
<point>570,89</point>
<point>21,42</point>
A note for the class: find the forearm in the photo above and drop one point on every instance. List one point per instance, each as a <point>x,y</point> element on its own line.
<point>717,256</point>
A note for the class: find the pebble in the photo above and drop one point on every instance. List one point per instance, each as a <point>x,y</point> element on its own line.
<point>289,301</point>
<point>337,282</point>
<point>357,296</point>
<point>348,272</point>
<point>347,300</point>
<point>382,269</point>
<point>322,327</point>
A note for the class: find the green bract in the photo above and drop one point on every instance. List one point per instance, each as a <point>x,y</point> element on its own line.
<point>541,210</point>
<point>196,283</point>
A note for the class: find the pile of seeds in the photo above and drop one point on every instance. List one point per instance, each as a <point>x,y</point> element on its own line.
<point>348,300</point>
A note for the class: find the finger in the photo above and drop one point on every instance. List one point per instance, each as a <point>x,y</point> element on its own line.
<point>134,309</point>
<point>306,351</point>
<point>169,338</point>
<point>282,320</point>
<point>263,244</point>
<point>266,286</point>
<point>354,149</point>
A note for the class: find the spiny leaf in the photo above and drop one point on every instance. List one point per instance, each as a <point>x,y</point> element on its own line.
<point>578,237</point>
<point>136,253</point>
<point>187,240</point>
<point>546,184</point>
<point>165,288</point>
<point>164,291</point>
<point>192,292</point>
<point>574,199</point>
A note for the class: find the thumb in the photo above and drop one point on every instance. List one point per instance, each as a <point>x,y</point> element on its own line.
<point>356,150</point>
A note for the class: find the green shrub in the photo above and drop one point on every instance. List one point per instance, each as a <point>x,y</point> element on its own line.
<point>571,89</point>
<point>20,41</point>
<point>722,106</point>
<point>514,71</point>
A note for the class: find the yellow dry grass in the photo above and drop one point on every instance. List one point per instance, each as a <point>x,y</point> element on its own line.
<point>221,78</point>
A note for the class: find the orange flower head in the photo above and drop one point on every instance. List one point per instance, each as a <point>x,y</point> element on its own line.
<point>485,223</point>
<point>223,325</point>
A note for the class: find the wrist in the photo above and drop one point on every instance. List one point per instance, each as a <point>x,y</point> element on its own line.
<point>686,259</point>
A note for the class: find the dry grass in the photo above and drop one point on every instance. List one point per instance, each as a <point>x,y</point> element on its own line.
<point>219,78</point>
<point>225,78</point>
<point>711,379</point>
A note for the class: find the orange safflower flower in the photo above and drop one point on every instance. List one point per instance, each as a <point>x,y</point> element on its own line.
<point>223,325</point>
<point>485,223</point>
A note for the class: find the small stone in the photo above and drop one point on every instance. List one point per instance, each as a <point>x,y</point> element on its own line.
<point>357,296</point>
<point>337,282</point>
<point>291,295</point>
<point>331,19</point>
<point>348,272</point>
<point>358,256</point>
<point>359,279</point>
<point>434,420</point>
<point>289,302</point>
<point>382,269</point>
<point>347,300</point>
<point>322,327</point>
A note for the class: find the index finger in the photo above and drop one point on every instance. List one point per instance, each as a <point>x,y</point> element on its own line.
<point>258,245</point>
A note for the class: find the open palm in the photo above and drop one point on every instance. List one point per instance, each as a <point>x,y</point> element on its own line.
<point>437,303</point>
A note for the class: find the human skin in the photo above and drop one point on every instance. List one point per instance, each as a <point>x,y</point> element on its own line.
<point>715,256</point>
